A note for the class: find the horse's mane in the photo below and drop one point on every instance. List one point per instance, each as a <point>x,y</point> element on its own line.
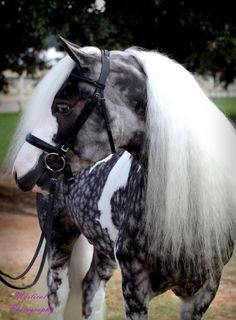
<point>191,200</point>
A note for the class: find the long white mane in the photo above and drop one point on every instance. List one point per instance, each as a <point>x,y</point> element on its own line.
<point>191,192</point>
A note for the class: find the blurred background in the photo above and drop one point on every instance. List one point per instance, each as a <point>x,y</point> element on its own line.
<point>201,35</point>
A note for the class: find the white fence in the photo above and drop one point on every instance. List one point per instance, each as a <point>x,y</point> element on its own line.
<point>214,88</point>
<point>19,90</point>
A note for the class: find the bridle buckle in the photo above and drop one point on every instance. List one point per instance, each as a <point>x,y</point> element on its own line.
<point>64,149</point>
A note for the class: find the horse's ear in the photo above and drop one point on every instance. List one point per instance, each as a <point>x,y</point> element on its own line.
<point>73,51</point>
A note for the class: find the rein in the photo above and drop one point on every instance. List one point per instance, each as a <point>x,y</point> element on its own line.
<point>45,234</point>
<point>58,153</point>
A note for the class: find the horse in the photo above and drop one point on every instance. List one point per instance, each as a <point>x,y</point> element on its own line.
<point>185,145</point>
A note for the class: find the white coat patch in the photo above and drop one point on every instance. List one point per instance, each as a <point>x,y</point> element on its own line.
<point>117,179</point>
<point>97,163</point>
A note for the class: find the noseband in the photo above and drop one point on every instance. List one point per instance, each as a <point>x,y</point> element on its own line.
<point>55,157</point>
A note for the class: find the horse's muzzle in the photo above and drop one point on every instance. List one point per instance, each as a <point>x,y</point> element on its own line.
<point>22,185</point>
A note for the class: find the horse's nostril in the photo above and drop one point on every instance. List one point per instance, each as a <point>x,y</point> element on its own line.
<point>23,186</point>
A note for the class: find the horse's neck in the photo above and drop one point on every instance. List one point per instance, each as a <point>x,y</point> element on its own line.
<point>137,146</point>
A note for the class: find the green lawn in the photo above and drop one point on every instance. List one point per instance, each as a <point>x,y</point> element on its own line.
<point>8,123</point>
<point>227,105</point>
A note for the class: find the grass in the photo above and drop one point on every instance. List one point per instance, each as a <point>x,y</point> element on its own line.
<point>8,123</point>
<point>227,105</point>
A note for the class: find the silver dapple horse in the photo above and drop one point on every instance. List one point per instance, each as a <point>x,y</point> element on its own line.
<point>187,151</point>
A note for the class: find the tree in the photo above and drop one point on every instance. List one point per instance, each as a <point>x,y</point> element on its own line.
<point>27,24</point>
<point>199,34</point>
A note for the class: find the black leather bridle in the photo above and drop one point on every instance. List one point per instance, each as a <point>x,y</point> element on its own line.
<point>55,162</point>
<point>96,99</point>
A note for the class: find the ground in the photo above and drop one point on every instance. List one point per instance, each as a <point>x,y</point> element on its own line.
<point>19,230</point>
<point>19,233</point>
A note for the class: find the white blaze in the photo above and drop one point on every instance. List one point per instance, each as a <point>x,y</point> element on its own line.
<point>37,118</point>
<point>28,155</point>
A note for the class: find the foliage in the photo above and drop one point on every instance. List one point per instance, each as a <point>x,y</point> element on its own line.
<point>26,24</point>
<point>200,34</point>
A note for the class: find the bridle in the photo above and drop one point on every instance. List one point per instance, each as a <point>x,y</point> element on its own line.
<point>96,99</point>
<point>55,161</point>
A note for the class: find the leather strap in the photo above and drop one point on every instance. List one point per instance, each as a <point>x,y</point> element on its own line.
<point>46,234</point>
<point>96,99</point>
<point>38,143</point>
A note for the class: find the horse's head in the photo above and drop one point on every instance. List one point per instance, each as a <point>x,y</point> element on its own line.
<point>58,103</point>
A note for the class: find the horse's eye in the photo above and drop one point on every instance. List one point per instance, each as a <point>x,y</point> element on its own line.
<point>63,108</point>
